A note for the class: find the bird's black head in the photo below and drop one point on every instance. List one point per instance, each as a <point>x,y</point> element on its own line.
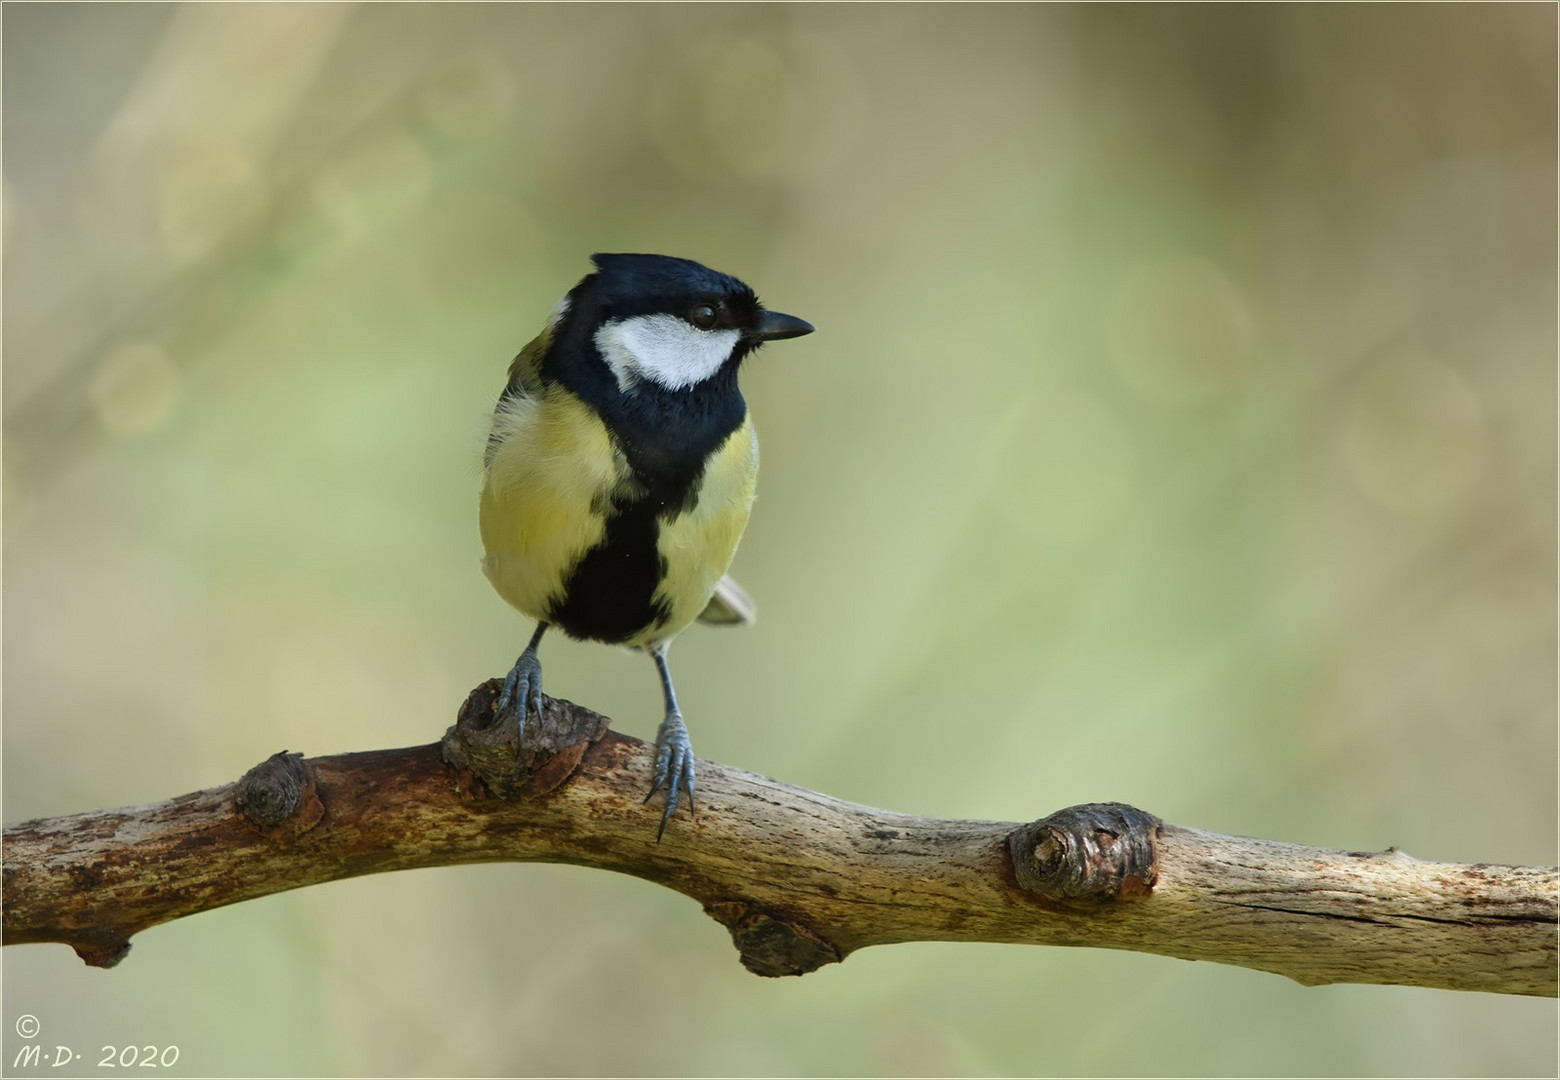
<point>662,324</point>
<point>632,285</point>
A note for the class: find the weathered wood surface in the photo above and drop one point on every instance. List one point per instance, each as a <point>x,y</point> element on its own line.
<point>799,878</point>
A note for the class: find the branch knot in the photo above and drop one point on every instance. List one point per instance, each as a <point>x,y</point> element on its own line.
<point>512,762</point>
<point>273,790</point>
<point>1087,855</point>
<point>772,945</point>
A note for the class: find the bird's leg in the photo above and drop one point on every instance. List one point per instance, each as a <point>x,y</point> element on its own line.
<point>673,751</point>
<point>523,684</point>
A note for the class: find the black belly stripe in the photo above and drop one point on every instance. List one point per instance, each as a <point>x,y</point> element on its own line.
<point>667,439</point>
<point>610,594</point>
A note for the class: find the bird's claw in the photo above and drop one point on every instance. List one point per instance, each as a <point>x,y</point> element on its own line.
<point>522,689</point>
<point>673,767</point>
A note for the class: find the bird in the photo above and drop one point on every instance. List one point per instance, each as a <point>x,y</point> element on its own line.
<point>620,471</point>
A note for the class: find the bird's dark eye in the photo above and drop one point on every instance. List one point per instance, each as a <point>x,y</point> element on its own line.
<point>702,316</point>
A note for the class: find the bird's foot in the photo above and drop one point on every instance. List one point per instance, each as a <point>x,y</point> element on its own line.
<point>523,689</point>
<point>673,766</point>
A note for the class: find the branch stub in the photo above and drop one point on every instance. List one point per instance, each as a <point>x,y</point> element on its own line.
<point>1087,855</point>
<point>272,791</point>
<point>511,764</point>
<point>103,954</point>
<point>772,945</point>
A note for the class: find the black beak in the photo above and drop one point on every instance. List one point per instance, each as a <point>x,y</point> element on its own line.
<point>773,326</point>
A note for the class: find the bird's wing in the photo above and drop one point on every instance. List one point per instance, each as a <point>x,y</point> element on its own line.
<point>730,605</point>
<point>525,372</point>
<point>525,382</point>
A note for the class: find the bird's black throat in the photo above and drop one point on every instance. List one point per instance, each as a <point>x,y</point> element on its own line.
<point>667,438</point>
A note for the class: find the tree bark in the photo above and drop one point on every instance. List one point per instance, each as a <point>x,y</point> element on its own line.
<point>798,878</point>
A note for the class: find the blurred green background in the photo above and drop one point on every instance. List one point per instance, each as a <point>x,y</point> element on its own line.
<point>1180,429</point>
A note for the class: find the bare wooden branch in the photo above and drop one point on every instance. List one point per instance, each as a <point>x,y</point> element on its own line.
<point>800,879</point>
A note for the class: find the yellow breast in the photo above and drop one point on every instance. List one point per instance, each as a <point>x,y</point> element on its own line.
<point>698,545</point>
<point>552,475</point>
<point>552,469</point>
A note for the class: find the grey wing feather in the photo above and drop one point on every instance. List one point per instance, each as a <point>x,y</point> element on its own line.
<point>525,372</point>
<point>730,605</point>
<point>525,380</point>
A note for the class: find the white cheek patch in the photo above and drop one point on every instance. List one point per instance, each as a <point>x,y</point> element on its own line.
<point>664,349</point>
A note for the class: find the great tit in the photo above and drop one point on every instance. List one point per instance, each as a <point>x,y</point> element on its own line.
<point>620,471</point>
